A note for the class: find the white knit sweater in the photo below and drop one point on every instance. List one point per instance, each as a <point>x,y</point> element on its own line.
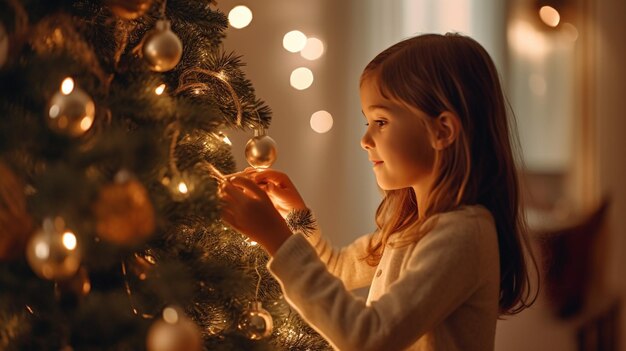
<point>439,294</point>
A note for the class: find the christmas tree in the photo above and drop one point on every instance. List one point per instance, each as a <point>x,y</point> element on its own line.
<point>112,121</point>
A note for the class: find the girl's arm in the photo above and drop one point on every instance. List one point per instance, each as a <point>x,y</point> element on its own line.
<point>443,271</point>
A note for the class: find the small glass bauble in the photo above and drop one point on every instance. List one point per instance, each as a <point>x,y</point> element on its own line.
<point>174,332</point>
<point>52,252</point>
<point>261,150</point>
<point>255,322</point>
<point>162,49</point>
<point>71,114</point>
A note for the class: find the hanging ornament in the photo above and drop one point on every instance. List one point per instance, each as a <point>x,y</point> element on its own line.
<point>123,211</point>
<point>174,332</point>
<point>162,49</point>
<point>255,322</point>
<point>15,222</point>
<point>4,45</point>
<point>129,9</point>
<point>71,111</point>
<point>261,150</point>
<point>52,252</point>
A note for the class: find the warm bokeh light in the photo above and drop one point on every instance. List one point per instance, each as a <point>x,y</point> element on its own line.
<point>69,240</point>
<point>225,139</point>
<point>170,315</point>
<point>67,86</point>
<point>301,78</point>
<point>182,188</point>
<point>569,31</point>
<point>160,89</point>
<point>550,16</point>
<point>321,121</point>
<point>240,17</point>
<point>525,40</point>
<point>54,111</point>
<point>313,49</point>
<point>294,41</point>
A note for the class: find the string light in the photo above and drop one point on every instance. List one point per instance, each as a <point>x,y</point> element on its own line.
<point>67,86</point>
<point>160,89</point>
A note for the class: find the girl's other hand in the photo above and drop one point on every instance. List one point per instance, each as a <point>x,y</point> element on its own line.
<point>279,188</point>
<point>248,209</point>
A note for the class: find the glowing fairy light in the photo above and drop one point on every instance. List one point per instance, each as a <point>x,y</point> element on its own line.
<point>67,86</point>
<point>550,16</point>
<point>321,121</point>
<point>160,89</point>
<point>170,315</point>
<point>313,49</point>
<point>182,188</point>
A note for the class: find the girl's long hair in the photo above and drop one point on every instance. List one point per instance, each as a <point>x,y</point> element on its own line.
<point>437,73</point>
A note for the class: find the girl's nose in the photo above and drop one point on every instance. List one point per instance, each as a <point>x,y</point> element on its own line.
<point>366,141</point>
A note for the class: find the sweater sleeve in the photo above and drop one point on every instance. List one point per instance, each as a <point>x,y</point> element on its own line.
<point>441,273</point>
<point>347,262</point>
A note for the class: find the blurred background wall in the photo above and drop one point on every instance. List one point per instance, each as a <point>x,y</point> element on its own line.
<point>566,83</point>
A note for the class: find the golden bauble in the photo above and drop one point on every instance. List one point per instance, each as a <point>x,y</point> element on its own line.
<point>15,223</point>
<point>71,114</point>
<point>124,213</point>
<point>261,151</point>
<point>255,322</point>
<point>174,332</point>
<point>162,49</point>
<point>129,9</point>
<point>52,252</point>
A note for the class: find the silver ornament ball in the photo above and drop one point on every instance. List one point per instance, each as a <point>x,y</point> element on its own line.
<point>52,252</point>
<point>261,151</point>
<point>256,323</point>
<point>71,114</point>
<point>175,332</point>
<point>162,49</point>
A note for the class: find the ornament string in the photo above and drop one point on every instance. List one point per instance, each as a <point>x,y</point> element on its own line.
<point>197,85</point>
<point>258,284</point>
<point>129,293</point>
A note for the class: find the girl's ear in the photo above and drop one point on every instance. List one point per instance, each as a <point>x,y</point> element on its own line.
<point>446,129</point>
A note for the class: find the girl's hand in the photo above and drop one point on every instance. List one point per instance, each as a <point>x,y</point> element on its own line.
<point>279,188</point>
<point>249,210</point>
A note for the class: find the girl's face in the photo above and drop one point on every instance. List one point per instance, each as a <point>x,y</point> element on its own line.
<point>397,140</point>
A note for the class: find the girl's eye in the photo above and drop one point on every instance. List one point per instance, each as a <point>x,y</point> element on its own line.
<point>379,123</point>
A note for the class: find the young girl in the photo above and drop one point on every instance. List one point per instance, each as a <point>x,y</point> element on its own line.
<point>447,258</point>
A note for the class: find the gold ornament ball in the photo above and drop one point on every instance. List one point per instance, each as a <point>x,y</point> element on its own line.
<point>256,323</point>
<point>52,252</point>
<point>129,9</point>
<point>71,114</point>
<point>174,332</point>
<point>162,49</point>
<point>124,214</point>
<point>261,151</point>
<point>15,223</point>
